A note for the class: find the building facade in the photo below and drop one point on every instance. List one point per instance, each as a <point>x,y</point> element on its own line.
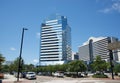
<point>55,44</point>
<point>119,55</point>
<point>75,56</point>
<point>97,47</point>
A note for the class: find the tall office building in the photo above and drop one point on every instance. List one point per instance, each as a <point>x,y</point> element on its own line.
<point>97,47</point>
<point>55,41</point>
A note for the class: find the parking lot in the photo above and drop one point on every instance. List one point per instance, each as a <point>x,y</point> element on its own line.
<point>49,79</point>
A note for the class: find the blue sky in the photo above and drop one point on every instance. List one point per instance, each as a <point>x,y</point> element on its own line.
<point>86,18</point>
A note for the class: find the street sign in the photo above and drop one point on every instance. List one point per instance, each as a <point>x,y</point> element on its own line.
<point>113,46</point>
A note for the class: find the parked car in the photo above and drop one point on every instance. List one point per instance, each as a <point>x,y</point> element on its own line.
<point>23,74</point>
<point>1,76</point>
<point>39,73</point>
<point>59,74</point>
<point>30,75</point>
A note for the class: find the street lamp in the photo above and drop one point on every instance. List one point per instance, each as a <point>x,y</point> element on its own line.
<point>19,65</point>
<point>111,63</point>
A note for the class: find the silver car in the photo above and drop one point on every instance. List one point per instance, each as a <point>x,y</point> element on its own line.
<point>31,75</point>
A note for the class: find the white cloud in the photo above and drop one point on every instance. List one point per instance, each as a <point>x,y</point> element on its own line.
<point>12,49</point>
<point>94,39</point>
<point>114,5</point>
<point>106,10</point>
<point>35,61</point>
<point>38,35</point>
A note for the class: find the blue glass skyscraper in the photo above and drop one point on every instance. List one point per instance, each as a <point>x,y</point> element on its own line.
<point>55,45</point>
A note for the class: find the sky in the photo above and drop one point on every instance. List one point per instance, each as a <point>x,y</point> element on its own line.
<point>87,18</point>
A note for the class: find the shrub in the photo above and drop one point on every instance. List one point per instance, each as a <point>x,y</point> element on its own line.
<point>100,76</point>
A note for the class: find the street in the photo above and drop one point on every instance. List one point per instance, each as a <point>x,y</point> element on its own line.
<point>49,79</point>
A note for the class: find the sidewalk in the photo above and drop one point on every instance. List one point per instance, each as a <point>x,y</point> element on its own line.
<point>10,79</point>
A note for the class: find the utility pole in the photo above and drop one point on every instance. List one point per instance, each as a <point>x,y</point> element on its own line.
<point>19,65</point>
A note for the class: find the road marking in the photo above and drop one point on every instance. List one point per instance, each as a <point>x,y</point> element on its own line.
<point>99,82</point>
<point>91,81</point>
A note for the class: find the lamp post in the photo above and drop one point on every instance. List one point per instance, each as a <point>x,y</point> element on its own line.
<point>111,63</point>
<point>19,65</point>
<point>112,46</point>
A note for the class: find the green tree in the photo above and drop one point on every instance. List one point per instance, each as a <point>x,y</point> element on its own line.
<point>64,67</point>
<point>50,68</point>
<point>28,67</point>
<point>40,69</point>
<point>5,68</point>
<point>76,66</point>
<point>99,64</point>
<point>57,67</point>
<point>117,68</point>
<point>14,65</point>
<point>2,59</point>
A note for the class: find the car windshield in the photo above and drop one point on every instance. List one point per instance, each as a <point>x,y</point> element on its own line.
<point>31,73</point>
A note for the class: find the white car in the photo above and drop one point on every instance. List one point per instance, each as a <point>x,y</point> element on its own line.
<point>58,74</point>
<point>31,75</point>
